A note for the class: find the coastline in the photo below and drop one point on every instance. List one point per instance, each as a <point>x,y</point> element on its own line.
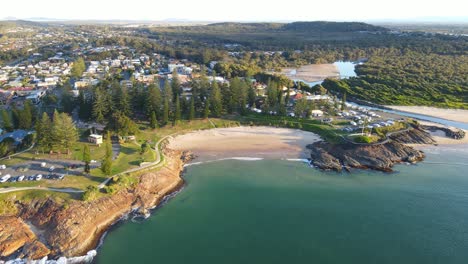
<point>82,227</point>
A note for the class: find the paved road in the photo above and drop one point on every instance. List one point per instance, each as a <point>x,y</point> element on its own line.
<point>65,190</point>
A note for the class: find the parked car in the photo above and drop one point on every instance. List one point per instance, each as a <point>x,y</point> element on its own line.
<point>43,164</point>
<point>51,168</point>
<point>38,177</point>
<point>5,178</point>
<point>21,178</point>
<point>2,167</point>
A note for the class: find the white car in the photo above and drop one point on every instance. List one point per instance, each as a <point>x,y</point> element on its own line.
<point>38,177</point>
<point>51,168</point>
<point>43,164</point>
<point>2,167</point>
<point>21,178</point>
<point>5,178</point>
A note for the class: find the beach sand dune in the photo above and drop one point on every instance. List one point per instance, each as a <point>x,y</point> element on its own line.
<point>261,142</point>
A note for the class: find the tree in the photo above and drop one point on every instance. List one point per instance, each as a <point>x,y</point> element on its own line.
<point>165,118</point>
<point>206,111</point>
<point>343,102</point>
<point>153,100</point>
<point>251,96</point>
<point>153,120</point>
<point>168,92</point>
<point>43,132</point>
<point>64,133</point>
<point>122,124</point>
<point>85,106</point>
<point>216,100</point>
<point>25,116</point>
<point>175,85</point>
<point>177,115</point>
<point>7,125</point>
<point>106,165</point>
<point>100,106</point>
<point>86,158</point>
<point>301,107</point>
<point>191,114</point>
<point>15,114</point>
<point>78,68</point>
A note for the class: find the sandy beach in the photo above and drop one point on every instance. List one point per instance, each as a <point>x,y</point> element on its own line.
<point>458,115</point>
<point>259,142</point>
<point>312,72</point>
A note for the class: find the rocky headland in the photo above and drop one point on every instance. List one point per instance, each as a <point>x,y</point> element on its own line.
<point>378,156</point>
<point>48,228</point>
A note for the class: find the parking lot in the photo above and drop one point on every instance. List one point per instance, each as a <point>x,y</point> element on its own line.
<point>37,170</point>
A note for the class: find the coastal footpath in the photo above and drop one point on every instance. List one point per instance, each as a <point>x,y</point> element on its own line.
<point>47,228</point>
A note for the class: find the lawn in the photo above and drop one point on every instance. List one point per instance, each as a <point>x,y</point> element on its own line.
<point>97,153</point>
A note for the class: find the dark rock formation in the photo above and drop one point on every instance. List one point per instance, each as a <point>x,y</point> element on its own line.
<point>376,156</point>
<point>450,132</point>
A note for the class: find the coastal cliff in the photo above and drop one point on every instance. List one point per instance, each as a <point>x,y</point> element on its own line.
<point>370,156</point>
<point>74,229</point>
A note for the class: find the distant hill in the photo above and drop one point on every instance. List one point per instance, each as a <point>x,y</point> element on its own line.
<point>20,23</point>
<point>305,27</point>
<point>325,26</point>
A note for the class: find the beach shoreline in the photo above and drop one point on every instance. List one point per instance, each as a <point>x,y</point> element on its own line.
<point>458,115</point>
<point>244,141</point>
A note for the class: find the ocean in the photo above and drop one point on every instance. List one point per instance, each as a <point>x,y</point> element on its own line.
<point>280,211</point>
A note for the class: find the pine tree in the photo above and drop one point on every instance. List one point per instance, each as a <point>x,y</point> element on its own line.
<point>43,132</point>
<point>154,100</point>
<point>165,118</point>
<point>86,158</point>
<point>25,116</point>
<point>64,134</point>
<point>106,165</point>
<point>153,120</point>
<point>175,85</point>
<point>251,96</point>
<point>206,111</point>
<point>177,115</point>
<point>191,114</point>
<point>124,105</point>
<point>85,106</point>
<point>100,106</point>
<point>7,125</point>
<point>168,92</point>
<point>216,100</point>
<point>15,117</point>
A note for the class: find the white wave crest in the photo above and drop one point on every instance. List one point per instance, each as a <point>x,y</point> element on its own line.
<point>63,260</point>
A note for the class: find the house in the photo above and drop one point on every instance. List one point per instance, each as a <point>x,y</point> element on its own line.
<point>95,139</point>
<point>317,113</point>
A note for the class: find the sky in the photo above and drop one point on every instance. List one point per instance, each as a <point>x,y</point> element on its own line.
<point>236,10</point>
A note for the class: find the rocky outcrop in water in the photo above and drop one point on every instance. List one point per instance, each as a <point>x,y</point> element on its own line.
<point>450,132</point>
<point>74,229</point>
<point>377,156</point>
